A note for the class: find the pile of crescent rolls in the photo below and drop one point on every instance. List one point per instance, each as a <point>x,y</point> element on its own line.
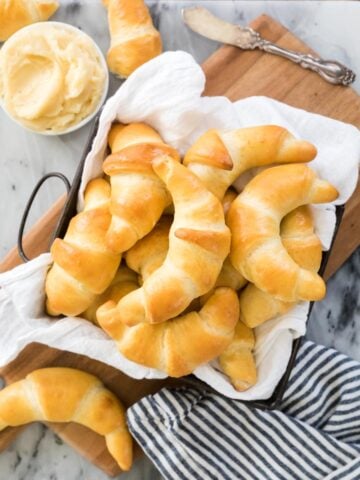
<point>174,265</point>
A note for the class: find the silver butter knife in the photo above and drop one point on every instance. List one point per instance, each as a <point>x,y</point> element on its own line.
<point>201,21</point>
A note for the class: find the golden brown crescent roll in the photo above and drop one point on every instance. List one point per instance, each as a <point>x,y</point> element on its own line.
<point>68,395</point>
<point>254,220</point>
<point>237,360</point>
<point>134,39</point>
<point>299,238</point>
<point>228,276</point>
<point>124,282</point>
<point>304,247</point>
<point>219,157</point>
<point>16,14</point>
<point>138,196</point>
<point>149,253</point>
<point>179,345</point>
<point>83,265</point>
<point>198,244</point>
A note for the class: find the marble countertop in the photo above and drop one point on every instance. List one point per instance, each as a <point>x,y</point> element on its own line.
<point>331,28</point>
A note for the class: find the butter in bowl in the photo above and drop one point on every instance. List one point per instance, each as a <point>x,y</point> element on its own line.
<point>53,78</point>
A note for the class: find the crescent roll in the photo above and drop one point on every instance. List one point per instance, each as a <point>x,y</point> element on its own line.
<point>138,196</point>
<point>199,242</point>
<point>16,14</point>
<point>254,220</point>
<point>83,265</point>
<point>180,345</point>
<point>304,247</point>
<point>229,276</point>
<point>219,157</point>
<point>237,360</point>
<point>68,395</point>
<point>299,238</point>
<point>134,39</point>
<point>149,253</point>
<point>125,281</point>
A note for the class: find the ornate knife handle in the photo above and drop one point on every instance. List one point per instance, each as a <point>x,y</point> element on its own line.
<point>330,70</point>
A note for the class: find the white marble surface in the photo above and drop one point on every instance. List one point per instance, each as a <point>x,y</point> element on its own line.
<point>331,28</point>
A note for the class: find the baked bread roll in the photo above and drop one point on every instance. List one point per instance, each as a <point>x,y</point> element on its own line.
<point>149,253</point>
<point>134,39</point>
<point>125,281</point>
<point>138,196</point>
<point>237,360</point>
<point>219,157</point>
<point>199,242</point>
<point>254,220</point>
<point>299,238</point>
<point>83,265</point>
<point>230,277</point>
<point>304,247</point>
<point>16,14</point>
<point>68,395</point>
<point>179,345</point>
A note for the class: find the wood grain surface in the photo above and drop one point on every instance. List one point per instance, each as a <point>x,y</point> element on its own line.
<point>235,74</point>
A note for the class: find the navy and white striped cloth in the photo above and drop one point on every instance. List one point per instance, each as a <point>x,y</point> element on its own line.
<point>190,435</point>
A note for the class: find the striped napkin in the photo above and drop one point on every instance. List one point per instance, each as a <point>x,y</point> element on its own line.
<point>191,434</point>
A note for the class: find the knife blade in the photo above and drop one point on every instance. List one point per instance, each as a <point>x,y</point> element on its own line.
<point>203,22</point>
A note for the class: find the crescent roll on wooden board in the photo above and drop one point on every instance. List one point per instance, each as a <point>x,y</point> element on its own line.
<point>218,157</point>
<point>179,345</point>
<point>304,247</point>
<point>83,264</point>
<point>134,39</point>
<point>138,196</point>
<point>254,220</point>
<point>68,395</point>
<point>199,242</point>
<point>16,14</point>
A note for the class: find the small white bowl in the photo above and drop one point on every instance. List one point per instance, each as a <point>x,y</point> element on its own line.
<point>103,63</point>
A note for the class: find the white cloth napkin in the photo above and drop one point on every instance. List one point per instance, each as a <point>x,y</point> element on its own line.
<point>166,93</point>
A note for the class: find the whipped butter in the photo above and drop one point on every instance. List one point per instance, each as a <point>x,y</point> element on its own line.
<point>51,77</point>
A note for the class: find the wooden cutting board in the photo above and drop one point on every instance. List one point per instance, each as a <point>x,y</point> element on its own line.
<point>235,74</point>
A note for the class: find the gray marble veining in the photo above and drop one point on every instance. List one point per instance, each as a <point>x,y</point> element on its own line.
<point>336,320</point>
<point>331,28</point>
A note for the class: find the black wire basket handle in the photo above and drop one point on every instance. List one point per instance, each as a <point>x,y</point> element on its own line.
<point>62,177</point>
